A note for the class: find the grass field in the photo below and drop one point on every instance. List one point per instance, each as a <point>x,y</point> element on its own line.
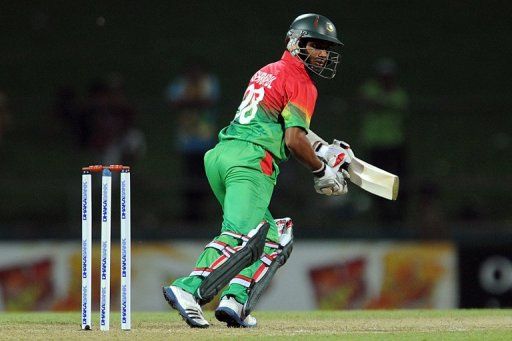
<point>346,325</point>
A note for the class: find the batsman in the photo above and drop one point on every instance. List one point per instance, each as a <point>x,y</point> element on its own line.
<point>270,124</point>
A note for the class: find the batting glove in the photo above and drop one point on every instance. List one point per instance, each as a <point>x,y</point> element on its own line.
<point>328,181</point>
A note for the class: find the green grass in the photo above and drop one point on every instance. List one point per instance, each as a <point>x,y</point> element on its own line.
<point>346,325</point>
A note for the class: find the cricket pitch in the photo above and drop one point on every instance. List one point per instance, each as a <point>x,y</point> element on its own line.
<point>347,325</point>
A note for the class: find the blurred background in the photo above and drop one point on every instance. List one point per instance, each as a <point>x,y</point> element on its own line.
<point>423,91</point>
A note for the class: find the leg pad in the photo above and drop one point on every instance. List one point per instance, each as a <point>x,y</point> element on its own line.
<point>258,287</point>
<point>245,256</point>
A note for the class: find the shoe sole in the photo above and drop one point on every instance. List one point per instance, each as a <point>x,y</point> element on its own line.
<point>173,302</point>
<point>231,318</point>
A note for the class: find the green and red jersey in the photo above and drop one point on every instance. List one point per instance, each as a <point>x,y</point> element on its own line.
<point>280,95</point>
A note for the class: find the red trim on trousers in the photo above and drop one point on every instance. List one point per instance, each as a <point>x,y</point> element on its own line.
<point>266,164</point>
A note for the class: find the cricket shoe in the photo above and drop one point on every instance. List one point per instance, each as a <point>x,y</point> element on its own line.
<point>231,312</point>
<point>186,305</point>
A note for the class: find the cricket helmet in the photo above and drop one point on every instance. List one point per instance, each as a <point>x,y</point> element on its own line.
<point>307,27</point>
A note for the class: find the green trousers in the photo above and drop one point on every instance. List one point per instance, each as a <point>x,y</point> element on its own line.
<point>242,176</point>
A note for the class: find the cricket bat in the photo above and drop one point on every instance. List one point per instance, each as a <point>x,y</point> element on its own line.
<point>370,178</point>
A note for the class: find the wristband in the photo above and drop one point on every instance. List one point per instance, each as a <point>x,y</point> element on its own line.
<point>317,146</point>
<point>320,172</point>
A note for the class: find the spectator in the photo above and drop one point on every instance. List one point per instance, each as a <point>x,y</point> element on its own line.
<point>5,115</point>
<point>113,120</point>
<point>66,109</point>
<point>128,143</point>
<point>192,97</point>
<point>431,217</point>
<point>384,107</point>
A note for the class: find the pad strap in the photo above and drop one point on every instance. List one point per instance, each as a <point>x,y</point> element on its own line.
<point>245,238</point>
<point>242,280</point>
<point>226,252</point>
<point>259,273</point>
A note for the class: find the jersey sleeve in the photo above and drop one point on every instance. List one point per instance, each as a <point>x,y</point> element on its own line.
<point>301,104</point>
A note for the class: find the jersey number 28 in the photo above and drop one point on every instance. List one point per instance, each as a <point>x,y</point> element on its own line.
<point>249,106</point>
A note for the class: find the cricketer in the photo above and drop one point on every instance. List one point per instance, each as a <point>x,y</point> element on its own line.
<point>270,124</point>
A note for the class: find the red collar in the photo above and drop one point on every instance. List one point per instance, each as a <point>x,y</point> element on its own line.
<point>293,60</point>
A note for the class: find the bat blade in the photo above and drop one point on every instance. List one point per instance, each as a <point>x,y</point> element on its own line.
<point>373,179</point>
